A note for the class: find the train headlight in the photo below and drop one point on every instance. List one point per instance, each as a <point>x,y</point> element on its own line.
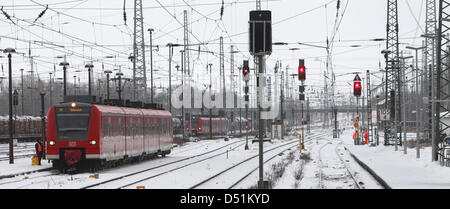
<point>92,142</point>
<point>52,143</point>
<point>73,104</point>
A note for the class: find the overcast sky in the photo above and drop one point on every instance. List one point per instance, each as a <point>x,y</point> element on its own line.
<point>91,30</point>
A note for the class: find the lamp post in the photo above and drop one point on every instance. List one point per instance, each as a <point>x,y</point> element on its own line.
<point>75,85</point>
<point>51,89</point>
<point>119,89</point>
<point>403,77</point>
<point>15,103</point>
<point>43,121</point>
<point>21,95</point>
<point>64,64</point>
<point>171,45</point>
<point>210,108</point>
<point>10,51</point>
<point>432,93</point>
<point>107,72</point>
<point>417,100</point>
<point>89,67</point>
<point>183,115</point>
<point>151,65</point>
<point>131,58</point>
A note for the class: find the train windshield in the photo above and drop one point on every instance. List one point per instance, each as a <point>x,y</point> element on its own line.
<point>72,126</point>
<point>194,122</point>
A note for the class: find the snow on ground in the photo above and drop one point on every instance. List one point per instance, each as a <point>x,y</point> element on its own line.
<point>191,175</point>
<point>301,171</point>
<point>21,164</point>
<point>401,171</point>
<point>334,174</point>
<point>290,170</point>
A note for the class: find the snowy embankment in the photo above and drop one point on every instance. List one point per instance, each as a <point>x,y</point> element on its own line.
<point>401,171</point>
<point>20,165</point>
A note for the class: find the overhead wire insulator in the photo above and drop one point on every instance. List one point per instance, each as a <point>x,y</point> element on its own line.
<point>221,11</point>
<point>41,14</point>
<point>124,13</point>
<point>6,15</point>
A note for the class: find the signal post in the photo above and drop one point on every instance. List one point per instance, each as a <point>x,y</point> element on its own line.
<point>302,78</point>
<point>260,45</point>
<point>357,93</point>
<point>246,71</point>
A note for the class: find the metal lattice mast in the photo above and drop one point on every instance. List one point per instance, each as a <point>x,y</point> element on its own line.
<point>186,63</point>
<point>369,108</point>
<point>232,80</point>
<point>391,70</point>
<point>442,71</point>
<point>186,44</point>
<point>139,72</point>
<point>430,61</point>
<point>222,72</point>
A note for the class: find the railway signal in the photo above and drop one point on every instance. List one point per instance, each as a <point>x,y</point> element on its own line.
<point>246,73</point>
<point>301,70</point>
<point>246,70</point>
<point>357,86</point>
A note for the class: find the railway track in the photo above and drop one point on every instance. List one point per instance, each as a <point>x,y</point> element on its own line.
<point>152,175</point>
<point>17,157</point>
<point>274,152</point>
<point>311,138</point>
<point>188,148</point>
<point>41,173</point>
<point>332,173</point>
<point>18,151</point>
<point>123,178</point>
<point>55,176</point>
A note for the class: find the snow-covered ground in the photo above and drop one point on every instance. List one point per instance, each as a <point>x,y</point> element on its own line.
<point>167,172</point>
<point>401,171</point>
<point>302,171</point>
<point>318,166</point>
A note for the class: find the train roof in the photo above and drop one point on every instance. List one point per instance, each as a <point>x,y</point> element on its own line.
<point>123,110</point>
<point>127,110</point>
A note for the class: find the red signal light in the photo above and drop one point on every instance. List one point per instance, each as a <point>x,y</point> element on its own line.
<point>357,88</point>
<point>245,71</point>
<point>301,70</point>
<point>301,73</point>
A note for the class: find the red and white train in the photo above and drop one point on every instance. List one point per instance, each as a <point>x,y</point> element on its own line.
<point>93,135</point>
<point>201,126</point>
